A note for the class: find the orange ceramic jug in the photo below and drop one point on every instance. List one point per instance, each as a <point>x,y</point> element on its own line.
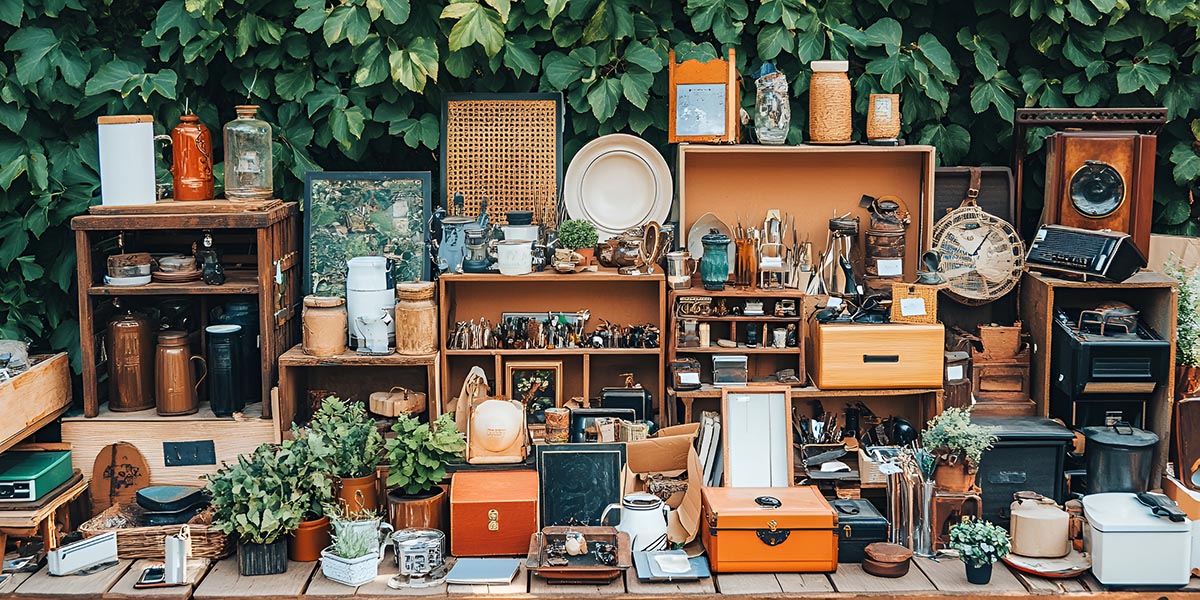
<point>191,159</point>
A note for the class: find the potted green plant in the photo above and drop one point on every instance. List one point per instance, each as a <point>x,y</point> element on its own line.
<point>256,499</point>
<point>417,459</point>
<point>353,558</point>
<point>1187,331</point>
<point>957,445</point>
<point>312,483</point>
<point>979,544</point>
<point>346,436</point>
<point>579,235</point>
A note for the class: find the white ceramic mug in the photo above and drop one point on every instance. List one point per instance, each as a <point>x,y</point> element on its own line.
<point>779,336</point>
<point>515,257</point>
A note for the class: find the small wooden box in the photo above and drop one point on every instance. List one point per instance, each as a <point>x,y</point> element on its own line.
<point>34,398</point>
<point>493,513</point>
<point>744,534</point>
<point>948,510</point>
<point>849,356</point>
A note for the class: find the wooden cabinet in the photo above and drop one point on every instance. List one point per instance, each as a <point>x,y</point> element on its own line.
<point>618,299</point>
<point>34,398</point>
<point>257,242</point>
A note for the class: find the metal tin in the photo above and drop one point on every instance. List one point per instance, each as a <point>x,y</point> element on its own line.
<point>130,366</point>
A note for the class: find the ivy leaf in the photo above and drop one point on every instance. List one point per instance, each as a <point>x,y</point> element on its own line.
<point>174,15</point>
<point>294,85</point>
<point>519,56</point>
<point>163,83</point>
<point>347,125</point>
<point>1133,76</point>
<point>13,118</point>
<point>13,240</point>
<point>1187,164</point>
<point>1176,211</point>
<point>1083,12</point>
<point>39,173</point>
<point>34,43</point>
<point>1158,54</point>
<point>992,93</point>
<point>885,32</point>
<point>938,56</point>
<point>346,23</point>
<point>1181,96</point>
<point>424,131</point>
<point>810,44</point>
<point>373,64</point>
<point>1166,9</point>
<point>314,18</point>
<point>636,88</point>
<point>555,7</point>
<point>395,11</point>
<point>503,7</point>
<point>642,56</point>
<point>411,66</point>
<point>11,12</point>
<point>773,39</point>
<point>890,70</point>
<point>562,70</point>
<point>30,270</point>
<point>725,18</point>
<point>604,97</point>
<point>476,25</point>
<point>111,77</point>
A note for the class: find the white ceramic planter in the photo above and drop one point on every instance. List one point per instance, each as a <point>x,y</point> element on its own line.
<point>353,571</point>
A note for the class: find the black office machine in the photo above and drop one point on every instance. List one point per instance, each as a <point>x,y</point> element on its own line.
<point>1084,254</point>
<point>1105,364</point>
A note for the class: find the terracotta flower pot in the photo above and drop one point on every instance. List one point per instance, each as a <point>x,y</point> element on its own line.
<point>306,543</point>
<point>1187,382</point>
<point>588,254</point>
<point>956,478</point>
<point>423,511</point>
<point>357,494</point>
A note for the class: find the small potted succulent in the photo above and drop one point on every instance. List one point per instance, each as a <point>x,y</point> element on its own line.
<point>256,499</point>
<point>579,235</point>
<point>345,435</point>
<point>1187,332</point>
<point>353,558</point>
<point>417,459</point>
<point>312,485</point>
<point>957,445</point>
<point>979,544</point>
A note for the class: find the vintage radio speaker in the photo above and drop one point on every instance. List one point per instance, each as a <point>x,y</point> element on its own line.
<point>1101,180</point>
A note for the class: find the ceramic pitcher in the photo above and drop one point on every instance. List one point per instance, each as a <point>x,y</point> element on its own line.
<point>644,518</point>
<point>176,385</point>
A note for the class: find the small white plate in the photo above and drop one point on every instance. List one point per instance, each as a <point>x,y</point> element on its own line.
<point>618,182</point>
<point>127,281</point>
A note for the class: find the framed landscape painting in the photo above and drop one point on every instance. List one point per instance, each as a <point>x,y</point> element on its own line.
<point>378,213</point>
<point>537,385</point>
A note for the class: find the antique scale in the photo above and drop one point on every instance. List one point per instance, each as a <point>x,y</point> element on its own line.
<point>982,256</point>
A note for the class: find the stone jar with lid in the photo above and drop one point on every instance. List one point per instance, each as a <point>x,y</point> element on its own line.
<point>416,318</point>
<point>325,324</point>
<point>830,110</point>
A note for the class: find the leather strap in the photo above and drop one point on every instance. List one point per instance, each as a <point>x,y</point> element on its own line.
<point>972,187</point>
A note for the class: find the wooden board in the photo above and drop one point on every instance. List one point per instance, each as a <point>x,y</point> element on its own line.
<point>118,472</point>
<point>379,588</point>
<point>225,581</point>
<point>539,587</point>
<point>194,207</point>
<point>950,575</point>
<point>10,587</point>
<point>752,584</point>
<point>1042,586</point>
<point>320,588</point>
<point>687,588</point>
<point>34,398</point>
<point>124,590</point>
<point>850,578</point>
<point>43,584</point>
<point>147,431</point>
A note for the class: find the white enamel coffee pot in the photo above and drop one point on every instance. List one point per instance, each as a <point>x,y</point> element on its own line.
<point>644,518</point>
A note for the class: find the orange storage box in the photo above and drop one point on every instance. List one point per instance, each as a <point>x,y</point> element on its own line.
<point>493,513</point>
<point>769,530</point>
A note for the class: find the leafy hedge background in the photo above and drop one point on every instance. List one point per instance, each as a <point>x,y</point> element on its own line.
<point>356,84</point>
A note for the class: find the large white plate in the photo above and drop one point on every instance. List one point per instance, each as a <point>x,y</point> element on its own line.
<point>618,182</point>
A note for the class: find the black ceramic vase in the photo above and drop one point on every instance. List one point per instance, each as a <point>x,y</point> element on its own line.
<point>263,559</point>
<point>225,379</point>
<point>979,575</point>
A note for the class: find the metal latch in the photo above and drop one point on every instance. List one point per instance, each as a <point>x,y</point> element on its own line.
<point>493,520</point>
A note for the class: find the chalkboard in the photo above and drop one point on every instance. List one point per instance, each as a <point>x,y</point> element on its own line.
<point>577,481</point>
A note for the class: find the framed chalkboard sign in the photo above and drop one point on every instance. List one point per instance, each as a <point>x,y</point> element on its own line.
<point>577,481</point>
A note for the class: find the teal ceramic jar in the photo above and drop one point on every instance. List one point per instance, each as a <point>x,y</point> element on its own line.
<point>714,265</point>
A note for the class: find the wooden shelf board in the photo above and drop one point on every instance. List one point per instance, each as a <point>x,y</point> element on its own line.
<point>737,292</point>
<point>800,149</point>
<point>550,276</point>
<point>297,358</point>
<point>709,391</point>
<point>738,350</point>
<point>236,282</point>
<point>251,412</point>
<point>1143,279</point>
<point>742,319</point>
<point>154,218</point>
<point>555,352</point>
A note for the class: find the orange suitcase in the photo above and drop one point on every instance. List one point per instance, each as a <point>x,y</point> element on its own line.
<point>493,513</point>
<point>769,530</point>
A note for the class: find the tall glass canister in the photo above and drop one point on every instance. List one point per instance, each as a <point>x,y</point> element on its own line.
<point>248,157</point>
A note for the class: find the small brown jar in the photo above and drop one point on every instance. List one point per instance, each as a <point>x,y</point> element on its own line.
<point>416,318</point>
<point>324,325</point>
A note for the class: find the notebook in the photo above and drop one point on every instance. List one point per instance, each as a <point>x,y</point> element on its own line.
<point>483,571</point>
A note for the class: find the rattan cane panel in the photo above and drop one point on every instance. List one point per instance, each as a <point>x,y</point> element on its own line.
<point>506,151</point>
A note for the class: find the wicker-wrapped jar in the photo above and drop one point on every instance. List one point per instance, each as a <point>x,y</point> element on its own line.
<point>883,117</point>
<point>416,318</point>
<point>829,102</point>
<point>325,325</point>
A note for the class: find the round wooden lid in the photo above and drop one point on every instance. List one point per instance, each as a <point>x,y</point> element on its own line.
<point>415,290</point>
<point>888,553</point>
<point>323,301</point>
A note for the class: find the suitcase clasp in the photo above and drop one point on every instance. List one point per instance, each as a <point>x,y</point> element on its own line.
<point>493,520</point>
<point>772,535</point>
<point>846,529</point>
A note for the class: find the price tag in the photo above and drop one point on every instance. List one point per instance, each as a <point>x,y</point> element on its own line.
<point>955,372</point>
<point>912,307</point>
<point>890,267</point>
<point>888,468</point>
<point>833,302</point>
<point>695,377</point>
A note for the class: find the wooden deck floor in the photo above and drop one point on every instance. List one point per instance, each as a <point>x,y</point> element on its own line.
<point>303,581</point>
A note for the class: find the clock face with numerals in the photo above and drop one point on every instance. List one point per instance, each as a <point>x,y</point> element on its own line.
<point>982,256</point>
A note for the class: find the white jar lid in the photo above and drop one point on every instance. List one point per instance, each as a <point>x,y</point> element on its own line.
<point>830,66</point>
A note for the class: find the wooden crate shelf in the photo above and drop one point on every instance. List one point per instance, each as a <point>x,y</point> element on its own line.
<point>619,299</point>
<point>34,398</point>
<point>930,401</point>
<point>256,242</point>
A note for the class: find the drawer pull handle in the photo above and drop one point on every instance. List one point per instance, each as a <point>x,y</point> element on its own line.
<point>881,358</point>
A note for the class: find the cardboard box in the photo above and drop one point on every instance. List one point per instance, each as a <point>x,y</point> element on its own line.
<point>1185,249</point>
<point>672,452</point>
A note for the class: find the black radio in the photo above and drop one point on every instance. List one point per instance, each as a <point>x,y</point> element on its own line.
<point>1083,253</point>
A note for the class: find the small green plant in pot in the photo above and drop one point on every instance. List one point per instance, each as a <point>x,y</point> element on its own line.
<point>312,481</point>
<point>346,436</point>
<point>979,545</point>
<point>257,500</point>
<point>958,445</point>
<point>417,459</point>
<point>579,235</point>
<point>353,558</point>
<point>1187,336</point>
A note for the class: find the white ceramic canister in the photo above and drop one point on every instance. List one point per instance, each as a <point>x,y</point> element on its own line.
<point>126,160</point>
<point>515,257</point>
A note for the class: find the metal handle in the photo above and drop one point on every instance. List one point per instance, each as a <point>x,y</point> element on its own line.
<point>604,515</point>
<point>201,380</point>
<point>881,358</point>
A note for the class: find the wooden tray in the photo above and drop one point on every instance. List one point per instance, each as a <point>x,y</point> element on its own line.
<point>581,569</point>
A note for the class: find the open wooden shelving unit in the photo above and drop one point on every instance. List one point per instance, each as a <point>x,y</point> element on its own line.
<point>620,299</point>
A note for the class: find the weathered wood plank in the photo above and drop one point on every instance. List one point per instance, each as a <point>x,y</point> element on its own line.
<point>804,583</point>
<point>949,575</point>
<point>518,586</point>
<point>1043,586</point>
<point>225,580</point>
<point>124,590</point>
<point>754,584</point>
<point>43,584</point>
<point>320,588</point>
<point>379,588</point>
<point>850,578</point>
<point>540,587</point>
<point>12,583</point>
<point>679,588</point>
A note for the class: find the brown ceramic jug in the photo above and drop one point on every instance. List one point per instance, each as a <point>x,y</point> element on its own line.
<point>130,369</point>
<point>191,164</point>
<point>176,385</point>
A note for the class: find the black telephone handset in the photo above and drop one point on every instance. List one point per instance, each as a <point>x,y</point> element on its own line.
<point>1162,506</point>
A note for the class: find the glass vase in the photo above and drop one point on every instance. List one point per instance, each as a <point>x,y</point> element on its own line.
<point>248,159</point>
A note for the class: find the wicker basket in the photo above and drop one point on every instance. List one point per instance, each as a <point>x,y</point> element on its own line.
<point>913,291</point>
<point>147,542</point>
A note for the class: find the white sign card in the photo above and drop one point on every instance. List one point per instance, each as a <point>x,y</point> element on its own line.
<point>700,109</point>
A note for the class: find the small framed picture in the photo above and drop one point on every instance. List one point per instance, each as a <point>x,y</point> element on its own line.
<point>704,100</point>
<point>536,384</point>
